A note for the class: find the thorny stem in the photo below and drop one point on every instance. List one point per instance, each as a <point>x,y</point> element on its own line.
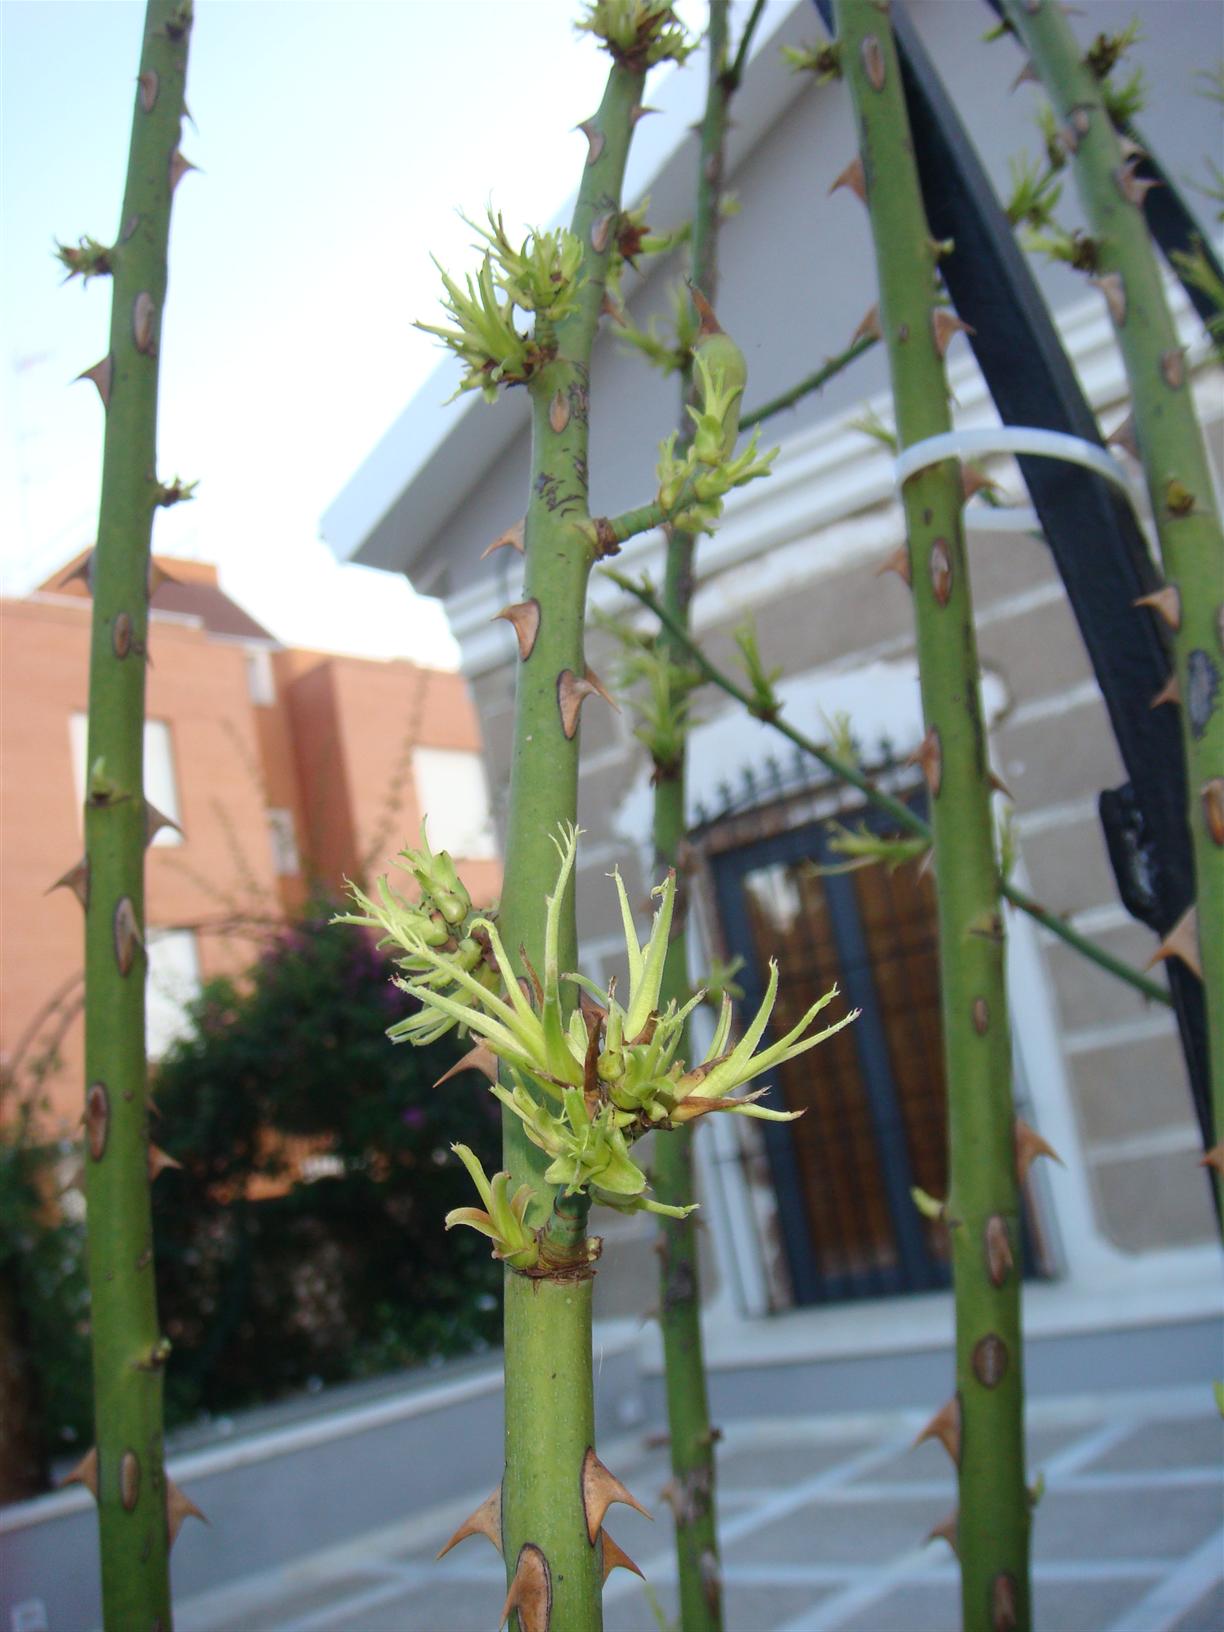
<point>805,387</point>
<point>1176,469</point>
<point>983,1202</point>
<point>731,78</point>
<point>131,1483</point>
<point>610,532</point>
<point>549,1397</point>
<point>902,814</point>
<point>688,1413</point>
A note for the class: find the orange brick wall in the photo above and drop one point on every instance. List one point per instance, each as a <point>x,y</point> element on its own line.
<point>327,750</point>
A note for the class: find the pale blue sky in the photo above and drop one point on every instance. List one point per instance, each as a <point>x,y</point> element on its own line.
<point>336,141</point>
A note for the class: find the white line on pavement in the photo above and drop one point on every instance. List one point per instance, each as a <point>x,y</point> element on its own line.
<point>1182,1587</point>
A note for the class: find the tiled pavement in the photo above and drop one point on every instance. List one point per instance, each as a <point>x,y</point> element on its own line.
<point>822,1522</point>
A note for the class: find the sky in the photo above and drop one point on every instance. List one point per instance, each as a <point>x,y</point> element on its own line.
<point>336,141</point>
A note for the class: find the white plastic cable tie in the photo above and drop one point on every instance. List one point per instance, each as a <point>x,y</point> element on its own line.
<point>990,439</point>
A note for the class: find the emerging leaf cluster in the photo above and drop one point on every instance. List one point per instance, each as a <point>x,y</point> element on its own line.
<point>441,920</point>
<point>659,691</point>
<point>588,1081</point>
<point>541,277</point>
<point>823,62</point>
<point>638,33</point>
<point>765,703</point>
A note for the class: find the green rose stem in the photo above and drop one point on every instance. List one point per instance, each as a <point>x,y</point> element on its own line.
<point>139,1512</point>
<point>983,1426</point>
<point>550,1427</point>
<point>1175,465</point>
<point>691,1438</point>
<point>908,820</point>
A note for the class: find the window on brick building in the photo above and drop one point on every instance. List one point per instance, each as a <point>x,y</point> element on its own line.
<point>285,859</point>
<point>161,784</point>
<point>454,797</point>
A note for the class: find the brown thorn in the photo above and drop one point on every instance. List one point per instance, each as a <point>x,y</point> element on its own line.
<point>709,322</point>
<point>897,562</point>
<point>1112,287</point>
<point>129,1480</point>
<point>854,178</point>
<point>869,326</point>
<point>1170,692</point>
<point>511,538</point>
<point>999,786</point>
<point>121,635</point>
<point>600,1488</point>
<point>97,1120</point>
<point>143,314</point>
<point>179,1508</point>
<point>571,694</point>
<point>1213,808</point>
<point>873,61</point>
<point>616,1558</point>
<point>484,1520</point>
<point>179,167</point>
<point>524,618</point>
<point>939,564</point>
<point>147,83</point>
<point>559,412</point>
<point>929,756</point>
<point>1134,189</point>
<point>1166,601</point>
<point>530,1591</point>
<point>480,1058</point>
<point>102,373</point>
<point>639,112</point>
<point>945,1530</point>
<point>1124,436</point>
<point>85,1473</point>
<point>1173,368</point>
<point>974,481</point>
<point>597,686</point>
<point>595,139</point>
<point>1027,76</point>
<point>601,231</point>
<point>999,1259</point>
<point>609,308</point>
<point>945,1426</point>
<point>155,820</point>
<point>945,326</point>
<point>1181,942</point>
<point>1004,1615</point>
<point>127,936</point>
<point>1213,1158</point>
<point>1030,1145</point>
<point>159,1161</point>
<point>75,879</point>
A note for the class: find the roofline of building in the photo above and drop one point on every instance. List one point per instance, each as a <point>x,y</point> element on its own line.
<point>390,511</point>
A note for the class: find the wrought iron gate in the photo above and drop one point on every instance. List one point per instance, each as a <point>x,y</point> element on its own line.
<point>874,1124</point>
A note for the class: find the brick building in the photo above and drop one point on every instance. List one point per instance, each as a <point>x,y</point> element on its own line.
<point>285,769</point>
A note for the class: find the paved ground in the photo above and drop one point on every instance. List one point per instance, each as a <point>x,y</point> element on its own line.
<point>822,1526</point>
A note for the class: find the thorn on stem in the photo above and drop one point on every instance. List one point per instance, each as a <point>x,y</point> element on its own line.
<point>1029,1145</point>
<point>484,1520</point>
<point>512,539</point>
<point>1182,942</point>
<point>524,619</point>
<point>853,177</point>
<point>530,1591</point>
